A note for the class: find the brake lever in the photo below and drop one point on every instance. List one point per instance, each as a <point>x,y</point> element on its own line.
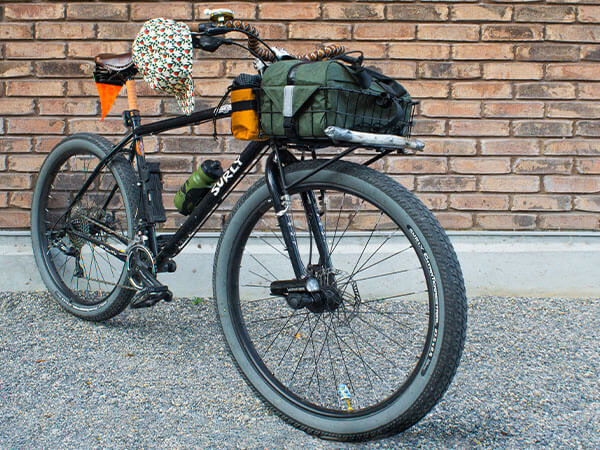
<point>207,43</point>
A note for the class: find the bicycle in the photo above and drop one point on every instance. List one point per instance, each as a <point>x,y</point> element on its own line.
<point>358,343</point>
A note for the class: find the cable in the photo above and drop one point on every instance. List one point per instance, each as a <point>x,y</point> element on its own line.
<point>266,54</point>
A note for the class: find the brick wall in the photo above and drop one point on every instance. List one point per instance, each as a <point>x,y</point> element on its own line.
<point>509,96</point>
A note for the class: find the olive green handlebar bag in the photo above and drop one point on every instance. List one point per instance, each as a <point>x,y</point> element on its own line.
<point>299,99</point>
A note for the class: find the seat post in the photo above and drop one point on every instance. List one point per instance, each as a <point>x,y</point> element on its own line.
<point>131,95</point>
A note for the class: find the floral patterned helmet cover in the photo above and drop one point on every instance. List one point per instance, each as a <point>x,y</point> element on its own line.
<point>163,54</point>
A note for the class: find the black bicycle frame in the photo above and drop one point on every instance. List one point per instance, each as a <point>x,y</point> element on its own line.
<point>218,192</point>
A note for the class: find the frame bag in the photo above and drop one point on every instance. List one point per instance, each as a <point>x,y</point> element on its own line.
<point>299,99</point>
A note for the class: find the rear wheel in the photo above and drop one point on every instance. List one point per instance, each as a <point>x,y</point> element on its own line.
<point>70,247</point>
<point>378,352</point>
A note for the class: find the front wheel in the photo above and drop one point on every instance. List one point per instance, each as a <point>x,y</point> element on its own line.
<point>379,353</point>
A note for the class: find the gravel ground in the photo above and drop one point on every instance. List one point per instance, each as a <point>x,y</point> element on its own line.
<point>162,377</point>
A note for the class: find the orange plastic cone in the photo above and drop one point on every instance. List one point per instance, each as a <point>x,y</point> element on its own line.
<point>108,93</point>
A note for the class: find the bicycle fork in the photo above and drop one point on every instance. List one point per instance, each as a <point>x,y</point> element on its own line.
<point>304,290</point>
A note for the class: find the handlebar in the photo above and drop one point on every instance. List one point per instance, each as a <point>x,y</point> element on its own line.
<point>208,40</point>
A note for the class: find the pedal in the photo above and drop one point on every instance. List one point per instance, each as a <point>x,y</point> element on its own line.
<point>150,296</point>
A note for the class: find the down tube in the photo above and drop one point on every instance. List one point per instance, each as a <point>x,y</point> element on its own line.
<point>218,192</point>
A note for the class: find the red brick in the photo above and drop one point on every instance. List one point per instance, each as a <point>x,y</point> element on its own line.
<point>479,128</point>
<point>545,52</point>
<point>438,32</point>
<point>14,181</point>
<point>419,51</point>
<point>587,203</point>
<point>408,181</point>
<point>426,164</point>
<point>542,128</point>
<point>62,69</point>
<point>434,201</point>
<point>116,31</point>
<point>536,13</point>
<point>174,10</point>
<point>559,91</point>
<point>454,221</point>
<point>572,147</point>
<point>13,69</point>
<point>512,32</point>
<point>189,145</point>
<point>21,199</point>
<point>483,51</point>
<point>541,203</point>
<point>573,33</point>
<point>14,219</point>
<point>15,144</point>
<point>25,163</point>
<point>335,31</point>
<point>480,165</point>
<point>346,11</point>
<point>35,126</point>
<point>543,165</point>
<point>447,146</point>
<point>417,13</point>
<point>107,126</point>
<point>572,72</point>
<point>574,110</point>
<point>45,144</point>
<point>572,183</point>
<point>242,10</point>
<point>81,88</point>
<point>212,87</point>
<point>513,71</point>
<point>446,183</point>
<point>513,109</point>
<point>588,166</point>
<point>506,221</point>
<point>589,90</point>
<point>391,31</point>
<point>68,107</point>
<point>509,183</point>
<point>396,69</point>
<point>590,52</point>
<point>3,198</point>
<point>471,13</point>
<point>148,106</point>
<point>446,70</point>
<point>471,202</point>
<point>587,128</point>
<point>437,108</point>
<point>509,147</point>
<point>97,11</point>
<point>43,50</point>
<point>16,31</point>
<point>65,30</point>
<point>19,11</point>
<point>16,106</point>
<point>427,89</point>
<point>481,90</point>
<point>569,221</point>
<point>90,49</point>
<point>425,127</point>
<point>175,163</point>
<point>590,14</point>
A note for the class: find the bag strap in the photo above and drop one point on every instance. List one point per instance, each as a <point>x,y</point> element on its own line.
<point>288,101</point>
